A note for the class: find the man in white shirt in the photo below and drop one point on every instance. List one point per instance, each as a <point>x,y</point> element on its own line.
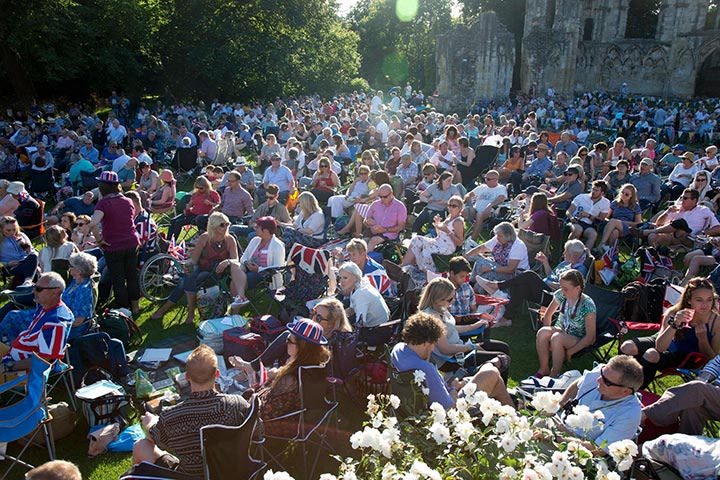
<point>586,210</point>
<point>376,103</point>
<point>395,102</point>
<point>116,132</point>
<point>382,128</point>
<point>485,198</point>
<point>444,158</point>
<point>119,163</point>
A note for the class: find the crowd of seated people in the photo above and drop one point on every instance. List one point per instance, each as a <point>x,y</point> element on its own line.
<point>404,180</point>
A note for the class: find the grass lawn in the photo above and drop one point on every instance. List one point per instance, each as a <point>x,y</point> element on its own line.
<point>112,465</point>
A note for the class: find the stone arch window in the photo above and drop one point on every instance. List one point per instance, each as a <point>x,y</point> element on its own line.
<point>642,18</point>
<point>588,29</point>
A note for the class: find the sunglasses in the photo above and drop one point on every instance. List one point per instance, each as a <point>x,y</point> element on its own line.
<point>38,288</point>
<point>271,197</point>
<point>223,224</point>
<point>453,205</point>
<point>81,224</point>
<point>607,382</point>
<point>701,180</point>
<point>567,174</point>
<point>319,317</point>
<point>385,196</point>
<point>487,179</point>
<point>626,194</point>
<point>688,198</point>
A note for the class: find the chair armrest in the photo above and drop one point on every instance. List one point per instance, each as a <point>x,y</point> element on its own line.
<point>13,383</point>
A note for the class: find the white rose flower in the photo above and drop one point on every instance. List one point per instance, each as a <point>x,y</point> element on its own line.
<point>270,475</point>
<point>508,473</point>
<point>394,401</point>
<point>508,442</point>
<point>583,419</point>
<point>328,476</point>
<point>367,438</point>
<point>421,469</point>
<point>439,432</point>
<point>464,430</point>
<point>349,475</point>
<point>546,402</point>
<point>389,471</point>
<point>608,476</point>
<point>502,425</point>
<point>425,391</point>
<point>623,452</point>
<point>468,389</point>
<point>575,473</point>
<point>530,474</point>
<point>438,413</point>
<point>419,378</point>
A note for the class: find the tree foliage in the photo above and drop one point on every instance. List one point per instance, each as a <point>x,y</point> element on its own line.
<point>187,48</point>
<point>397,46</point>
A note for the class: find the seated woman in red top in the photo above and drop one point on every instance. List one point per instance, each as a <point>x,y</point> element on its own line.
<point>202,201</point>
<point>211,255</point>
<point>325,182</point>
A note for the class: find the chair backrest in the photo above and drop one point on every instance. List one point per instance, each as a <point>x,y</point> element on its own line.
<point>313,386</point>
<point>485,156</point>
<point>42,181</point>
<point>27,413</point>
<point>61,266</point>
<point>186,159</point>
<point>535,242</point>
<point>412,399</point>
<point>226,449</point>
<point>609,305</point>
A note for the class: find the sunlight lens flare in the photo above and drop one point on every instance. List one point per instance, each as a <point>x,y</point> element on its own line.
<point>406,10</point>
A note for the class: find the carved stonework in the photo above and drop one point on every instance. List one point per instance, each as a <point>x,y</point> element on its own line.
<point>478,62</point>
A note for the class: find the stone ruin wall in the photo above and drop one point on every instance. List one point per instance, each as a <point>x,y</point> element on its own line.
<point>477,63</point>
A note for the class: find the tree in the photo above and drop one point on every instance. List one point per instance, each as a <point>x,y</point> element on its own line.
<point>396,50</point>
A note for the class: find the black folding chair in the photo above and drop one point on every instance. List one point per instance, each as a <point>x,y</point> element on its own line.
<point>226,450</point>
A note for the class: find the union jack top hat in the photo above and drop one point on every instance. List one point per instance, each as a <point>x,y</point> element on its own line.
<point>308,330</point>
<point>108,176</point>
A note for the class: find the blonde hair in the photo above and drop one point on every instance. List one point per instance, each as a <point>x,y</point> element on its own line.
<point>215,219</point>
<point>202,182</point>
<point>435,290</point>
<point>336,314</point>
<point>308,204</point>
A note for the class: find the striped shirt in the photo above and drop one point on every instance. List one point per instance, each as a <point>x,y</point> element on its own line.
<point>178,428</point>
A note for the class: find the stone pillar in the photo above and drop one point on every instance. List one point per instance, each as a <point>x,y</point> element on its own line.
<point>496,58</point>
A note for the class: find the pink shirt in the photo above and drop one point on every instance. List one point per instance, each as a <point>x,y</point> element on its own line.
<point>8,205</point>
<point>388,216</point>
<point>698,219</point>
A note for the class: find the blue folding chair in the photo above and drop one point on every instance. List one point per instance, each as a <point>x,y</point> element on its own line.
<point>29,415</point>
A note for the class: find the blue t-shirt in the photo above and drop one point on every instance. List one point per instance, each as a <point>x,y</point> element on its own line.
<point>405,359</point>
<point>624,213</point>
<point>77,206</point>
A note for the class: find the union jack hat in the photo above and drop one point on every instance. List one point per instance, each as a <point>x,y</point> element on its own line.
<point>108,176</point>
<point>308,330</point>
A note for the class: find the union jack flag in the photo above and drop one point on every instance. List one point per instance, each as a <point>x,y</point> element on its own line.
<point>147,231</point>
<point>47,339</point>
<point>379,280</point>
<point>611,256</point>
<point>176,250</point>
<point>310,259</point>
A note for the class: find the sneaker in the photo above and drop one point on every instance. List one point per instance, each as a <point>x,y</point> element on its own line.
<point>239,302</point>
<point>504,322</point>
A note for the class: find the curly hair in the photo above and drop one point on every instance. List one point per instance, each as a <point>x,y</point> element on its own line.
<point>422,328</point>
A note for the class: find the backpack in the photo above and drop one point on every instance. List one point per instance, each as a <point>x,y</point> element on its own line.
<point>113,407</point>
<point>97,351</point>
<point>118,325</point>
<point>644,301</point>
<point>267,326</point>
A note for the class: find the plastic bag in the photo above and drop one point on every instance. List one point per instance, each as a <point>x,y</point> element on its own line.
<point>143,386</point>
<point>127,439</point>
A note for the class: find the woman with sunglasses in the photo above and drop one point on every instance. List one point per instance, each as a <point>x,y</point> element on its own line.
<point>436,198</point>
<point>449,235</point>
<point>81,235</point>
<point>690,326</point>
<point>202,201</point>
<point>306,347</point>
<point>342,339</point>
<point>624,213</point>
<point>618,177</point>
<point>324,182</point>
<point>435,299</point>
<point>212,255</point>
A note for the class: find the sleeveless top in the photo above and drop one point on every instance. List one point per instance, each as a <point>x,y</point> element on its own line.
<point>214,253</point>
<point>325,184</point>
<point>689,342</point>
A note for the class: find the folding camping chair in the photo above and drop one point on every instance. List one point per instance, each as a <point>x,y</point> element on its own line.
<point>608,321</point>
<point>29,415</point>
<point>226,449</point>
<point>311,424</point>
<point>150,471</point>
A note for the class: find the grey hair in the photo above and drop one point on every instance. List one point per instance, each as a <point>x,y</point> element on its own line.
<point>55,280</point>
<point>507,230</point>
<point>4,183</point>
<point>575,246</point>
<point>352,269</point>
<point>84,262</point>
<point>630,371</point>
